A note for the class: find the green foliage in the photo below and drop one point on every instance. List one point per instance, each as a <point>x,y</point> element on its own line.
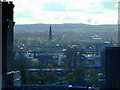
<point>77,75</point>
<point>34,42</point>
<point>34,79</point>
<point>24,76</point>
<point>16,64</point>
<point>70,77</point>
<point>50,66</point>
<point>51,78</point>
<point>64,28</point>
<point>55,64</point>
<point>40,64</point>
<point>24,64</point>
<point>80,46</point>
<point>91,77</point>
<point>73,54</point>
<point>20,42</point>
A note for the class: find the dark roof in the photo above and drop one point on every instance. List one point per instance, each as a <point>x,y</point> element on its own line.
<point>45,57</point>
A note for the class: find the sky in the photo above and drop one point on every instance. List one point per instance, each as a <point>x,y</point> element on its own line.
<point>66,11</point>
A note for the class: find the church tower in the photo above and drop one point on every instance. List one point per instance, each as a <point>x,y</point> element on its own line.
<point>50,34</point>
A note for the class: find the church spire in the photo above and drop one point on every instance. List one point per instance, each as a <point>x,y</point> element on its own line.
<point>50,34</point>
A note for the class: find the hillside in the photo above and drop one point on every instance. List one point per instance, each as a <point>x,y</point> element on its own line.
<point>65,28</point>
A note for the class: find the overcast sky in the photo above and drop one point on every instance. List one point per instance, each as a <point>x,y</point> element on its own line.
<point>65,11</point>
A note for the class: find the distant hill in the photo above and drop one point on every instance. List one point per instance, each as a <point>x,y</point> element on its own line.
<point>65,28</point>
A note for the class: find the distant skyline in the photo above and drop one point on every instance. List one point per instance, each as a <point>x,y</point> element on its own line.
<point>66,11</point>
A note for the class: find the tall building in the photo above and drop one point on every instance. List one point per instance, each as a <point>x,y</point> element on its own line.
<point>112,68</point>
<point>50,34</point>
<point>112,62</point>
<point>7,40</point>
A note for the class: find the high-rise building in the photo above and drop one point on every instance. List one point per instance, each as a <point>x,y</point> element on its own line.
<point>112,68</point>
<point>7,39</point>
<point>50,34</point>
<point>112,62</point>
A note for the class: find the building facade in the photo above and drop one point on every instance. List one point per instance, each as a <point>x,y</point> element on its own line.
<point>7,40</point>
<point>112,67</point>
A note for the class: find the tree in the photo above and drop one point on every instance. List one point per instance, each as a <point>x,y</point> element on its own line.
<point>16,63</point>
<point>70,77</point>
<point>55,64</point>
<point>24,64</point>
<point>91,77</point>
<point>103,61</point>
<point>34,79</point>
<point>34,42</point>
<point>51,78</point>
<point>77,75</point>
<point>73,57</point>
<point>23,70</point>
